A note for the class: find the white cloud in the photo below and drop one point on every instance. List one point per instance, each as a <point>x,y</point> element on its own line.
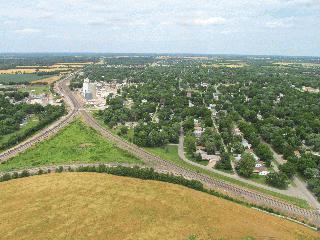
<point>157,24</point>
<point>27,31</point>
<point>278,24</point>
<point>209,21</point>
<point>229,31</point>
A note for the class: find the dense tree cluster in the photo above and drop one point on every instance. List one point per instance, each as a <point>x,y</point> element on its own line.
<point>246,165</point>
<point>225,162</point>
<point>12,115</point>
<point>265,100</point>
<point>151,135</point>
<point>278,180</point>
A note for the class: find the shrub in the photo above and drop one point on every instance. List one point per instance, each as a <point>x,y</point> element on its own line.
<point>24,173</point>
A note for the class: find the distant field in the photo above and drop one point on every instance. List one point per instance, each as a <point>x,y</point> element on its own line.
<point>307,65</point>
<point>100,206</point>
<point>228,65</point>
<point>52,68</point>
<point>19,78</point>
<point>35,89</point>
<point>47,80</point>
<point>30,70</point>
<point>75,143</point>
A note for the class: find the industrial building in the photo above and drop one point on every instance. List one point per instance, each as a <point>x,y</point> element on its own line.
<point>88,89</point>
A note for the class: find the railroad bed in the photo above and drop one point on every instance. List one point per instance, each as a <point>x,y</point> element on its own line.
<point>312,216</point>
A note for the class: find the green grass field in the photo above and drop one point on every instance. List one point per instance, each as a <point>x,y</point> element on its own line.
<point>170,153</point>
<point>19,78</point>
<point>73,144</point>
<point>35,89</point>
<point>32,122</point>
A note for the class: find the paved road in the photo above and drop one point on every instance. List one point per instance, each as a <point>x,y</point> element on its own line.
<point>75,107</point>
<point>300,185</point>
<point>232,190</point>
<point>292,191</point>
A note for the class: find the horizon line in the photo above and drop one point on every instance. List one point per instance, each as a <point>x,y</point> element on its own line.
<point>164,53</point>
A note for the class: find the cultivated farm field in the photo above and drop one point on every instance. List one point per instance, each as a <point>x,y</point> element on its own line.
<point>100,206</point>
<point>48,80</point>
<point>52,68</point>
<point>19,78</point>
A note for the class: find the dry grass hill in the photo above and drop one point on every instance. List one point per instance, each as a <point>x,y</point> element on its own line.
<point>100,206</point>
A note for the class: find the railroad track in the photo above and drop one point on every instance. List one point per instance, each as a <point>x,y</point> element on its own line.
<point>311,216</point>
<point>61,88</point>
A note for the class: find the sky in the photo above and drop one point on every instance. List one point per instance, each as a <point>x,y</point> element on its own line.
<point>261,27</point>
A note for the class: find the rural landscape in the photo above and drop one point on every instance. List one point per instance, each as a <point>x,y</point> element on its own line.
<point>187,120</point>
<point>219,125</point>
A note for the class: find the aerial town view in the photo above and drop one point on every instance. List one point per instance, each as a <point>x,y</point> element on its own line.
<point>191,120</point>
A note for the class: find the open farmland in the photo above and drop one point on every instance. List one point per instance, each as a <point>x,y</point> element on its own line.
<point>31,70</point>
<point>19,78</point>
<point>51,68</point>
<point>48,80</point>
<point>75,143</point>
<point>100,206</point>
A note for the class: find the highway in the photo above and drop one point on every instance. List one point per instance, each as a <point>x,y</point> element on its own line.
<point>161,165</point>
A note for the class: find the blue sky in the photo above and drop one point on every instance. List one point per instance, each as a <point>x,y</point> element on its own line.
<point>282,27</point>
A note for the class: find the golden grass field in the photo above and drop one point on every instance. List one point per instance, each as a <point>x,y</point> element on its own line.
<point>30,70</point>
<point>307,65</point>
<point>47,80</point>
<point>52,68</point>
<point>236,65</point>
<point>100,206</point>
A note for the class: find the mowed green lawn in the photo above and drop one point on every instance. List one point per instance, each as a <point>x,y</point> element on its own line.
<point>77,143</point>
<point>35,89</point>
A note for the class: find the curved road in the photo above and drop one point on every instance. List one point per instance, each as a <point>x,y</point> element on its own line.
<point>300,191</point>
<point>311,216</point>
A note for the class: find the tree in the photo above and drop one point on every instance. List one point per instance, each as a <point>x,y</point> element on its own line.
<point>246,165</point>
<point>188,124</point>
<point>208,121</point>
<point>238,148</point>
<point>310,173</point>
<point>264,152</point>
<point>304,162</point>
<point>289,169</point>
<point>123,130</point>
<point>225,162</point>
<point>210,147</point>
<point>190,144</point>
<point>278,180</point>
<point>197,157</point>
